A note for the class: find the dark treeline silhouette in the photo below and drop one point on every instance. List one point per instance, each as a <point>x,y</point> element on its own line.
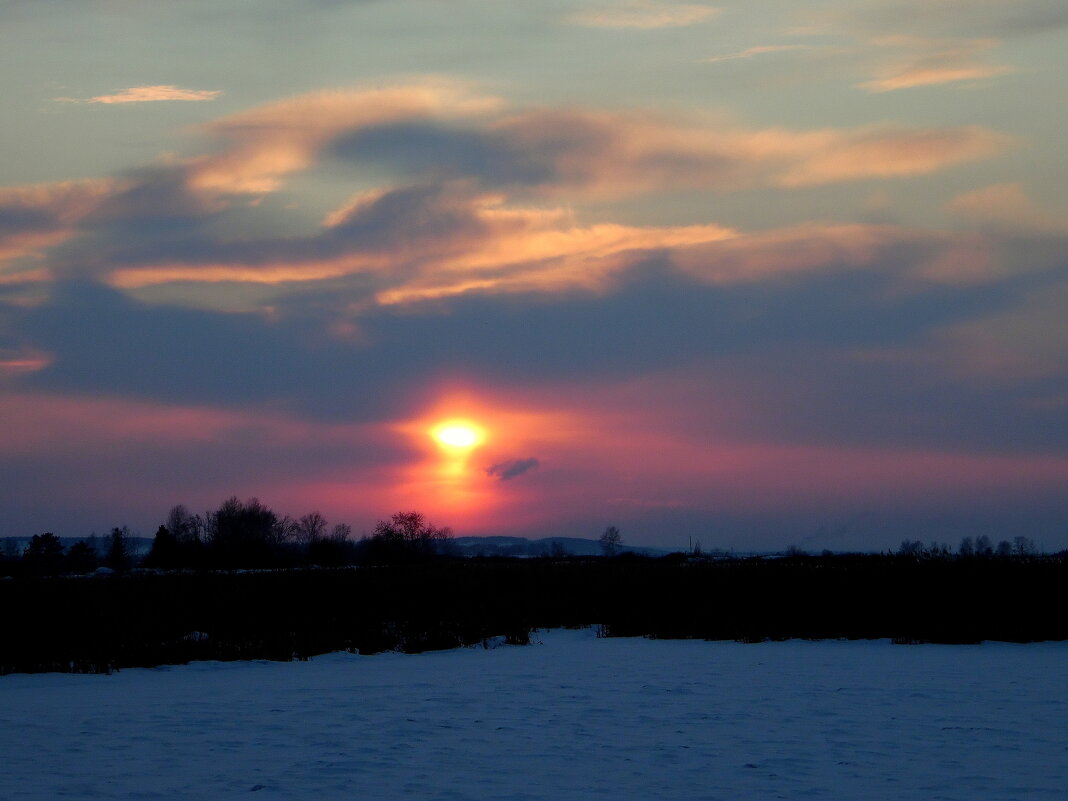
<point>250,535</point>
<point>237,535</point>
<point>46,555</point>
<point>143,618</point>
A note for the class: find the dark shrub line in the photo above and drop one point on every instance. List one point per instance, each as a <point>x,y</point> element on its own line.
<point>98,624</point>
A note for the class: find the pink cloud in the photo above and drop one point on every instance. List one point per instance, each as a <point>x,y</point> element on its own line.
<point>149,94</point>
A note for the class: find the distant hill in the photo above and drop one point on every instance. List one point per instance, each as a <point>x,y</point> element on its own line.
<point>546,546</point>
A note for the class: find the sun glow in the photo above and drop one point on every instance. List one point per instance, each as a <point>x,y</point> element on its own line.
<point>459,435</point>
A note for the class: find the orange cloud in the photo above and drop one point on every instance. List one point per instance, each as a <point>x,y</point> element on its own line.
<point>492,248</point>
<point>824,157</point>
<point>532,251</point>
<point>592,153</point>
<point>498,249</point>
<point>273,272</point>
<point>443,235</point>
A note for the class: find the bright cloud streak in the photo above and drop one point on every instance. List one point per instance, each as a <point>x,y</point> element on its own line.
<point>149,94</point>
<point>759,50</point>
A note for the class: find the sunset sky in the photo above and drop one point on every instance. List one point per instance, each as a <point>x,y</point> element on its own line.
<point>757,273</point>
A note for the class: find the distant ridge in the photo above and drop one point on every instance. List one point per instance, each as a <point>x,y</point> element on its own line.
<point>546,546</point>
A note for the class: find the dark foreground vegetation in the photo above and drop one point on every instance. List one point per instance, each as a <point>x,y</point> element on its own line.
<point>98,623</point>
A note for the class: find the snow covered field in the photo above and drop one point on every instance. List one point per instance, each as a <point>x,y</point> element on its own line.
<point>574,717</point>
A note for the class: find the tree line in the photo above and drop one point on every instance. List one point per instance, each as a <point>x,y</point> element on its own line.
<point>237,535</point>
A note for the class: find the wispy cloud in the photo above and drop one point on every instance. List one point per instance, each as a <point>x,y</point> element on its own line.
<point>148,94</point>
<point>759,50</point>
<point>933,62</point>
<point>25,362</point>
<point>1007,206</point>
<point>478,201</point>
<point>644,15</point>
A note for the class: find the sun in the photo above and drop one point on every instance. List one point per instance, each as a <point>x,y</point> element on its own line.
<point>458,435</point>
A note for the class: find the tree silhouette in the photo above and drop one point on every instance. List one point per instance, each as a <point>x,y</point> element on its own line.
<point>118,556</point>
<point>610,541</point>
<point>334,550</point>
<point>310,528</point>
<point>82,558</point>
<point>44,555</point>
<point>405,537</point>
<point>243,534</point>
<point>165,552</point>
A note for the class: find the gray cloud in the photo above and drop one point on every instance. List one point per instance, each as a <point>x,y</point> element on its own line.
<point>430,148</point>
<point>1001,18</point>
<point>512,468</point>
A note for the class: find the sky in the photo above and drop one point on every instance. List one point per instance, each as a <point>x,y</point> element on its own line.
<point>756,274</point>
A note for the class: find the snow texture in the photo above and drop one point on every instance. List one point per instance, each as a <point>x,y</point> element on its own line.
<point>571,717</point>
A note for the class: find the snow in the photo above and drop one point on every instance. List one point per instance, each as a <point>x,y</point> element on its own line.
<point>571,717</point>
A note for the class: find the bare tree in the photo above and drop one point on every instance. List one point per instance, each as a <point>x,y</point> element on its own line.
<point>309,528</point>
<point>611,541</point>
<point>1022,546</point>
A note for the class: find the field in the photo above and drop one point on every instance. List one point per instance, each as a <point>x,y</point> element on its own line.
<point>571,716</point>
